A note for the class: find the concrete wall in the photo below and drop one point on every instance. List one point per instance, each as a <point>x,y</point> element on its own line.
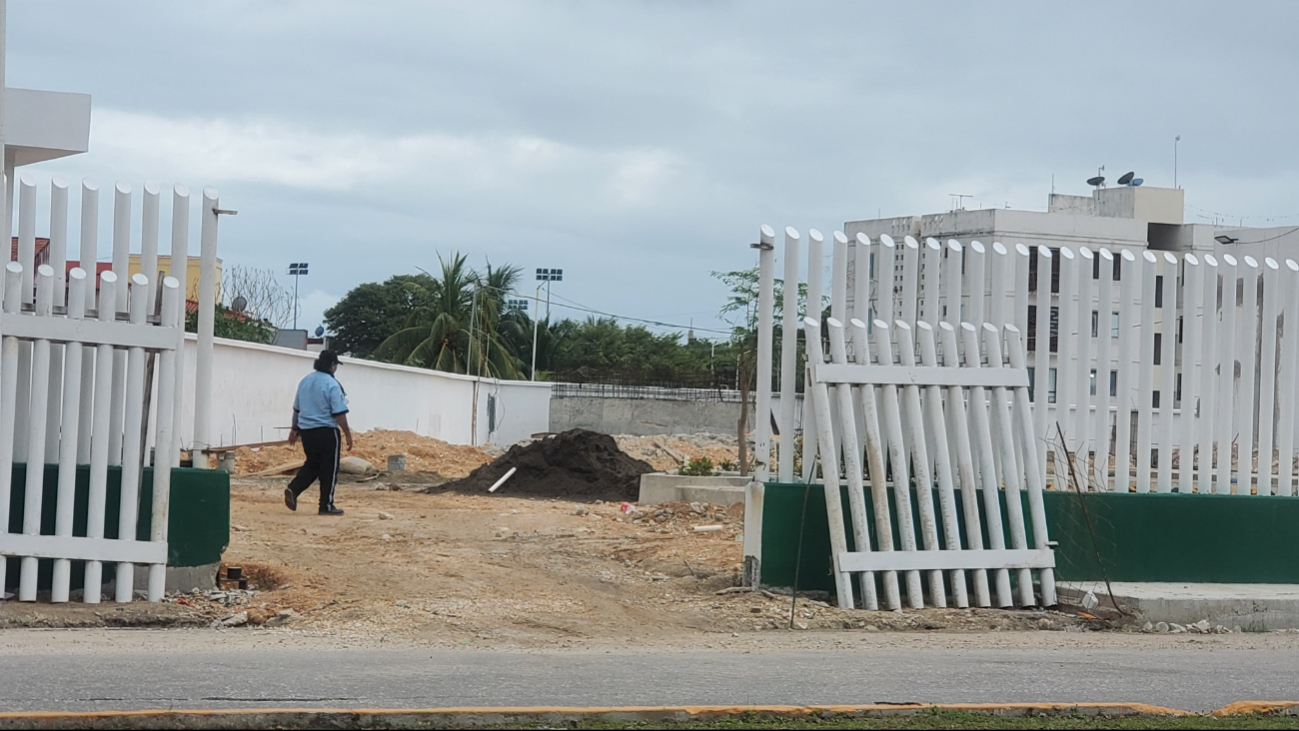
<point>254,387</point>
<point>643,417</point>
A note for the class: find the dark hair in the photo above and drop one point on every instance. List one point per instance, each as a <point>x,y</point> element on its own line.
<point>326,359</point>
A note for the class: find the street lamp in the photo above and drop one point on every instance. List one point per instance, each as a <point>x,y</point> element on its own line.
<point>545,276</point>
<point>296,270</point>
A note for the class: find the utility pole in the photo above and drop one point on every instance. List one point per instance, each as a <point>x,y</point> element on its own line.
<point>296,270</point>
<point>1176,139</point>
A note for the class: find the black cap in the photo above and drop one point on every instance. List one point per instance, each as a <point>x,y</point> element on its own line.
<point>325,359</point>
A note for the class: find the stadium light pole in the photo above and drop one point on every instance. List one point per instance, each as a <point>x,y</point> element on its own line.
<point>296,270</point>
<point>545,276</point>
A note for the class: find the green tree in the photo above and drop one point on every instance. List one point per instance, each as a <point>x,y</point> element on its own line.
<point>456,327</point>
<point>370,313</point>
<point>233,326</point>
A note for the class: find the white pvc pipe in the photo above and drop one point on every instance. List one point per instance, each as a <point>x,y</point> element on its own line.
<point>1042,356</point>
<point>1208,378</point>
<point>165,423</point>
<point>1267,375</point>
<point>26,257</point>
<point>87,260</point>
<point>180,270</point>
<point>1024,429</point>
<point>788,356</point>
<point>942,463</point>
<point>885,263</point>
<point>1066,343</point>
<point>1145,375</point>
<point>68,447</point>
<point>1023,260</point>
<point>1245,342</point>
<point>861,301</point>
<point>99,446</point>
<point>1125,396</point>
<point>121,266</point>
<point>852,463</point>
<point>931,271</point>
<point>1104,316</point>
<point>1226,374</point>
<point>910,253</point>
<point>965,472</point>
<point>206,322</point>
<point>875,462</point>
<point>815,279</point>
<point>32,506</point>
<point>1192,324</point>
<point>829,467</point>
<point>838,311</point>
<point>149,244</point>
<point>132,440</point>
<point>921,463</point>
<point>1001,273</point>
<point>8,398</point>
<point>1083,397</point>
<point>766,323</point>
<point>952,282</point>
<point>1167,373</point>
<point>1005,440</point>
<point>988,477</point>
<point>892,417</point>
<point>1287,390</point>
<point>58,262</point>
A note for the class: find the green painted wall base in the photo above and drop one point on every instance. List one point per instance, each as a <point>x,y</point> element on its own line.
<point>1163,537</point>
<point>198,529</point>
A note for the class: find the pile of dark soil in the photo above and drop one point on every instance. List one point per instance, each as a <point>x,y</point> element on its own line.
<point>577,463</point>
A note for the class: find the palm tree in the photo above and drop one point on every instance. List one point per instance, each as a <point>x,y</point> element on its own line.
<point>458,330</point>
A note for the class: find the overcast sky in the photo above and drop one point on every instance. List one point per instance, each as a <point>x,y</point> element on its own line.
<point>638,146</point>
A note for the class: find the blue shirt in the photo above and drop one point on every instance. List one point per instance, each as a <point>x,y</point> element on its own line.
<point>320,398</point>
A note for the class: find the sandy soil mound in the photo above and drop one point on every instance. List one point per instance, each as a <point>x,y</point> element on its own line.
<point>423,454</point>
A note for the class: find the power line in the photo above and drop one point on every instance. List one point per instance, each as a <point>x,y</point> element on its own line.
<point>592,311</point>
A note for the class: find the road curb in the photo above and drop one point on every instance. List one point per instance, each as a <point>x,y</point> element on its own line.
<point>476,717</point>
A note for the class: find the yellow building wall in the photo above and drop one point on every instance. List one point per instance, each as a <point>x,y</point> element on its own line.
<point>192,276</point>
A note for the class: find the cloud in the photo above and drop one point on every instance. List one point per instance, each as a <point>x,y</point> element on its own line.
<point>273,151</point>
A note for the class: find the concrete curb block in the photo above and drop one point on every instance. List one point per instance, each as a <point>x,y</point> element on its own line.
<point>475,717</point>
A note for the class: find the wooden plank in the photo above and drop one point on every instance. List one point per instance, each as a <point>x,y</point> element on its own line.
<point>901,375</point>
<point>990,560</point>
<point>98,332</point>
<point>70,547</point>
<point>279,469</point>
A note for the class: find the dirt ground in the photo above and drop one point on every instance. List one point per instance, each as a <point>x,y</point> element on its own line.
<point>449,569</point>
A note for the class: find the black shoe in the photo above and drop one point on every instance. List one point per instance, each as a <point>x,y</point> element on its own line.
<point>290,500</point>
<point>331,511</point>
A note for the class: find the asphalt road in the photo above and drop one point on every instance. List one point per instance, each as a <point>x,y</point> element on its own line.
<point>128,674</point>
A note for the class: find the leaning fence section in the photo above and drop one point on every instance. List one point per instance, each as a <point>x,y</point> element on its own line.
<point>1149,370</point>
<point>90,383</point>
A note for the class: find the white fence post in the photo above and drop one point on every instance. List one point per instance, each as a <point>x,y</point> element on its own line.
<point>1226,375</point>
<point>180,269</point>
<point>99,446</point>
<point>766,311</point>
<point>875,459</point>
<point>168,391</point>
<point>1267,374</point>
<point>1209,358</point>
<point>892,418</point>
<point>8,398</point>
<point>1167,372</point>
<point>788,356</point>
<point>69,445</point>
<point>58,262</point>
<point>983,437</point>
<point>36,439</point>
<point>1246,337</point>
<point>852,463</point>
<point>1288,391</point>
<point>1125,395</point>
<point>1192,326</point>
<point>829,467</point>
<point>87,261</point>
<point>132,439</point>
<point>1145,378</point>
<point>206,322</point>
<point>121,267</point>
<point>1104,316</point>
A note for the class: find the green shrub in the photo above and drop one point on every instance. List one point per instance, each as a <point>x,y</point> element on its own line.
<point>698,467</point>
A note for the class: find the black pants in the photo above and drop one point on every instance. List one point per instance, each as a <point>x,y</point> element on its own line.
<point>322,447</point>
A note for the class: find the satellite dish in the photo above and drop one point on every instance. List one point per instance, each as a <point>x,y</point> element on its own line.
<point>1097,181</point>
<point>1126,178</point>
<point>320,330</point>
<point>1137,182</point>
<point>239,304</point>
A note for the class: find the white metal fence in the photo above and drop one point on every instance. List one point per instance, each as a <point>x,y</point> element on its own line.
<point>89,376</point>
<point>1198,384</point>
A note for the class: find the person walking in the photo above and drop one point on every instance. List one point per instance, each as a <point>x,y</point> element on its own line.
<point>319,413</point>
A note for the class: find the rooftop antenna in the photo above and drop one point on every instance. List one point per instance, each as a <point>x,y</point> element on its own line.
<point>960,200</point>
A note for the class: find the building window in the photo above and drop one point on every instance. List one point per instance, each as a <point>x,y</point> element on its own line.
<point>1096,316</point>
<point>1114,384</point>
<point>1159,348</point>
<point>1091,382</point>
<point>1159,291</point>
<point>1114,325</point>
<point>1154,400</point>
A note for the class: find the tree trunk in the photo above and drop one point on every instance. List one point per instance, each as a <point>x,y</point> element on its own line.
<point>746,375</point>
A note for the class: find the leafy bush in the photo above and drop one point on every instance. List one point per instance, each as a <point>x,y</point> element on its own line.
<point>698,467</point>
<point>728,465</point>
